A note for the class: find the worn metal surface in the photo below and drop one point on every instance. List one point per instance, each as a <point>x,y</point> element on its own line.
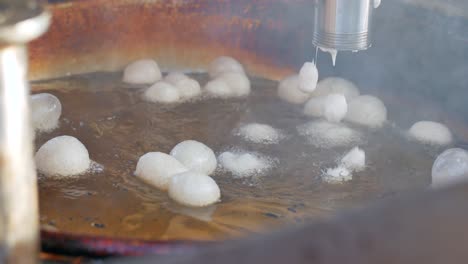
<point>19,229</point>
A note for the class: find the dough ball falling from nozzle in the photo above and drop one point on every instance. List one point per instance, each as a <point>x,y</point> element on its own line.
<point>46,110</point>
<point>142,72</point>
<point>62,156</point>
<point>308,77</point>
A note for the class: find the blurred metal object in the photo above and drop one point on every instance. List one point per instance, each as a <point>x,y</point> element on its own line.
<point>20,22</point>
<point>343,25</point>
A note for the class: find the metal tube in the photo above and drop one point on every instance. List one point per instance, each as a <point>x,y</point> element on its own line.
<point>19,226</point>
<point>343,25</point>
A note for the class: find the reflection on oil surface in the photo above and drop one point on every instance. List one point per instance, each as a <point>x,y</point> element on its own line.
<point>118,127</point>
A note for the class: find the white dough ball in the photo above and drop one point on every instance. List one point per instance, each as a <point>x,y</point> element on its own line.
<point>194,189</point>
<point>157,168</point>
<point>260,133</point>
<point>288,90</point>
<point>377,3</point>
<point>367,110</point>
<point>431,133</point>
<point>224,64</point>
<point>243,164</point>
<point>335,108</point>
<point>332,107</point>
<point>337,175</point>
<point>218,88</point>
<point>336,85</point>
<point>188,88</point>
<point>325,134</point>
<point>162,92</point>
<point>308,77</point>
<point>62,156</point>
<point>142,72</point>
<point>354,160</point>
<point>314,107</point>
<point>174,77</point>
<point>46,110</point>
<point>238,82</point>
<point>196,156</point>
<point>450,167</point>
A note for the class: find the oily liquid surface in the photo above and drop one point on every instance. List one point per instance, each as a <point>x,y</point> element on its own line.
<point>118,127</point>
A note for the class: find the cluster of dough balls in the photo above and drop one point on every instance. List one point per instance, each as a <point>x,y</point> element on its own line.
<point>45,110</point>
<point>173,88</point>
<point>333,99</point>
<point>183,173</point>
<point>62,156</point>
<point>228,79</point>
<point>354,160</point>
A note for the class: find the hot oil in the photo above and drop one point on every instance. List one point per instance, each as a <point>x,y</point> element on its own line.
<point>118,127</point>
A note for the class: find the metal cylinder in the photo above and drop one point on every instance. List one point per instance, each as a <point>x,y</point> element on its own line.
<point>19,221</point>
<point>343,25</point>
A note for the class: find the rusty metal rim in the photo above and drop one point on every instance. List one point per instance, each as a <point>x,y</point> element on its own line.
<point>99,246</point>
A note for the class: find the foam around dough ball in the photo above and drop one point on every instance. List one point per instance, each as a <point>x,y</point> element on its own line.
<point>196,156</point>
<point>336,85</point>
<point>367,110</point>
<point>162,92</point>
<point>142,72</point>
<point>46,110</point>
<point>224,64</point>
<point>62,156</point>
<point>260,133</point>
<point>156,168</point>
<point>325,134</point>
<point>431,133</point>
<point>308,77</point>
<point>288,90</point>
<point>354,160</point>
<point>450,167</point>
<point>243,164</point>
<point>194,189</point>
<point>238,82</point>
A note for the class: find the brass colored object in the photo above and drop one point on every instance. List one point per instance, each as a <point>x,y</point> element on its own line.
<point>20,22</point>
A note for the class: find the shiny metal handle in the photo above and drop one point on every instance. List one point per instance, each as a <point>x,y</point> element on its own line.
<point>343,24</point>
<point>19,221</point>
